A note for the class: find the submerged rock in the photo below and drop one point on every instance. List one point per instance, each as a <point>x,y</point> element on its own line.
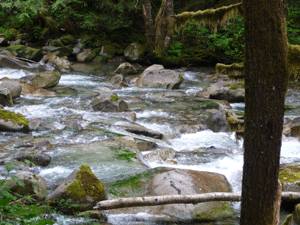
<point>82,188</point>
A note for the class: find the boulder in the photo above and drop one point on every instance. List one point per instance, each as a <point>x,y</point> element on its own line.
<point>159,78</point>
<point>82,187</point>
<point>134,52</point>
<point>118,81</point>
<point>10,121</point>
<point>163,181</point>
<point>13,86</point>
<point>217,122</point>
<point>109,103</point>
<point>295,127</point>
<point>231,91</point>
<point>26,52</point>
<point>62,63</point>
<point>45,79</point>
<point>39,159</point>
<point>33,185</point>
<point>68,39</point>
<point>126,68</point>
<point>86,56</point>
<point>160,155</point>
<point>107,51</point>
<point>141,130</point>
<point>5,97</point>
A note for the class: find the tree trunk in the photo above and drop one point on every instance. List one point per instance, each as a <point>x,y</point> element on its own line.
<point>266,83</point>
<point>164,26</point>
<point>149,24</point>
<point>180,199</point>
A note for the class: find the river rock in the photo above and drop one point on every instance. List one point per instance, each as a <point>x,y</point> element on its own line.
<point>45,79</point>
<point>29,146</point>
<point>13,86</point>
<point>295,127</point>
<point>26,52</point>
<point>10,121</point>
<point>86,56</point>
<point>134,52</point>
<point>109,103</point>
<point>33,185</point>
<point>141,130</point>
<point>39,159</point>
<point>217,122</point>
<point>108,51</point>
<point>160,155</point>
<point>126,68</point>
<point>62,63</point>
<point>224,90</point>
<point>81,187</point>
<point>5,97</point>
<point>118,81</point>
<point>68,39</point>
<point>163,181</point>
<point>159,78</point>
<point>289,176</point>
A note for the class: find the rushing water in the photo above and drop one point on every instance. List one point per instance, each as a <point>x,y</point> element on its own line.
<point>150,112</point>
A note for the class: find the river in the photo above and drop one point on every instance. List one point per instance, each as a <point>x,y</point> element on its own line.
<point>158,109</point>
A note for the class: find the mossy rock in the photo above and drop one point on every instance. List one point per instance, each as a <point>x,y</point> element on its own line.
<point>10,121</point>
<point>100,58</point>
<point>68,40</point>
<point>56,43</point>
<point>26,52</point>
<point>108,51</point>
<point>81,190</point>
<point>209,105</point>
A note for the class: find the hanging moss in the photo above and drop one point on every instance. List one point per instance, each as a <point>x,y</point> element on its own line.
<point>212,17</point>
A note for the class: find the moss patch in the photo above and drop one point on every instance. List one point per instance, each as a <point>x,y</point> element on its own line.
<point>86,184</point>
<point>114,98</point>
<point>13,117</point>
<point>26,52</point>
<point>233,71</point>
<point>289,174</point>
<point>209,105</point>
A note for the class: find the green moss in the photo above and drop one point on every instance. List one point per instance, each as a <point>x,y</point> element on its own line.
<point>289,174</point>
<point>68,39</point>
<point>86,184</point>
<point>209,105</point>
<point>26,52</point>
<point>234,71</point>
<point>288,220</point>
<point>13,117</point>
<point>114,98</point>
<point>219,211</point>
<point>235,85</point>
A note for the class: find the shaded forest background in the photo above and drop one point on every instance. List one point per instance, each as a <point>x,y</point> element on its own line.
<point>120,22</point>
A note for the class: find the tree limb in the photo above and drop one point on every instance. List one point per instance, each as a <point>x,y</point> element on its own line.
<point>180,199</point>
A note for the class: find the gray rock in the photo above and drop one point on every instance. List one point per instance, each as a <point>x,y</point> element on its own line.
<point>107,103</point>
<point>118,81</point>
<point>159,78</point>
<point>13,86</point>
<point>62,63</point>
<point>10,121</point>
<point>33,185</point>
<point>39,159</point>
<point>160,155</point>
<point>126,68</point>
<point>45,79</point>
<point>217,122</point>
<point>134,52</point>
<point>5,97</point>
<point>86,56</point>
<point>295,127</point>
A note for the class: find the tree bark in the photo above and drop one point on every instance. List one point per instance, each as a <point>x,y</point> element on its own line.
<point>164,26</point>
<point>266,83</point>
<point>149,24</point>
<point>180,199</point>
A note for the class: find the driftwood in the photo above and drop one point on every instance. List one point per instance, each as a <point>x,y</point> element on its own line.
<point>181,199</point>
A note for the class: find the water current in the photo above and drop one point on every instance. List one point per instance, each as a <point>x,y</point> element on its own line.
<point>151,112</point>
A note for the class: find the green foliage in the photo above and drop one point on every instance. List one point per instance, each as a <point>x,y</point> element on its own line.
<point>293,23</point>
<point>176,49</point>
<point>14,211</point>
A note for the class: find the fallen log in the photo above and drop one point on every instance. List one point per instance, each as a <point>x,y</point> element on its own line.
<point>180,199</point>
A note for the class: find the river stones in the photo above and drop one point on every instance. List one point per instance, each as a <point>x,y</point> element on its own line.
<point>81,187</point>
<point>163,181</point>
<point>160,155</point>
<point>109,103</point>
<point>62,63</point>
<point>33,185</point>
<point>13,86</point>
<point>126,68</point>
<point>156,77</point>
<point>5,97</point>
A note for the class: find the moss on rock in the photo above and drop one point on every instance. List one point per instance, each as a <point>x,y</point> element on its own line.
<point>14,118</point>
<point>26,52</point>
<point>234,71</point>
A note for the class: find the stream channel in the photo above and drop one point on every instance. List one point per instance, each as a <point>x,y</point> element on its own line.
<point>170,112</point>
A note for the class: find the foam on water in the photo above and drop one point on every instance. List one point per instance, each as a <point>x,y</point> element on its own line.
<point>13,73</point>
<point>150,114</point>
<point>79,80</point>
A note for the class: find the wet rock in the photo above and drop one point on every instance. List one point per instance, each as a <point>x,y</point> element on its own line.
<point>141,130</point>
<point>217,122</point>
<point>94,214</point>
<point>134,52</point>
<point>159,78</point>
<point>61,63</point>
<point>26,52</point>
<point>82,187</point>
<point>27,88</point>
<point>33,185</point>
<point>39,159</point>
<point>145,145</point>
<point>5,97</point>
<point>118,81</point>
<point>126,68</point>
<point>43,92</point>
<point>45,79</point>
<point>10,121</point>
<point>29,146</point>
<point>109,103</point>
<point>13,86</point>
<point>160,155</point>
<point>86,56</point>
<point>163,181</point>
<point>13,63</point>
<point>224,90</point>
